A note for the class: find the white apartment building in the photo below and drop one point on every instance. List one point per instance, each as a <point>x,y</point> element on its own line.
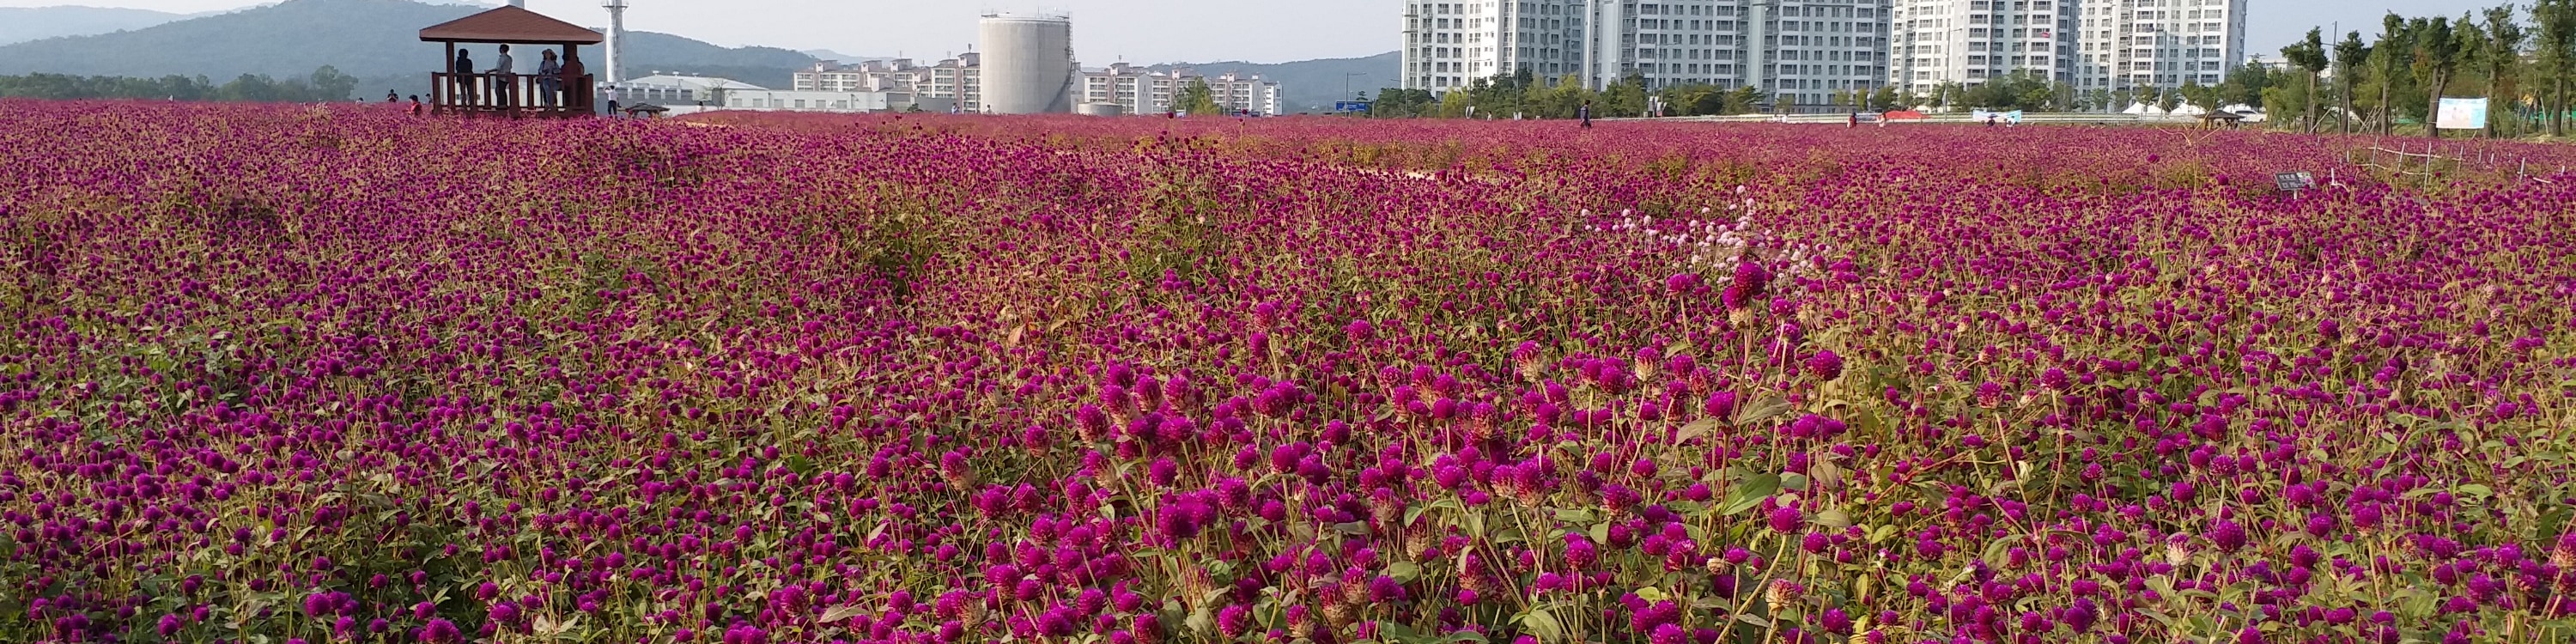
<point>770,100</point>
<point>1136,90</point>
<point>1801,51</point>
<point>1450,44</point>
<point>1971,41</point>
<point>2159,43</point>
<point>955,81</point>
<point>1804,51</point>
<point>2089,44</point>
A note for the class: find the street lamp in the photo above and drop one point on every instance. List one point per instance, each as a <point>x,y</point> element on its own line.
<point>1346,82</point>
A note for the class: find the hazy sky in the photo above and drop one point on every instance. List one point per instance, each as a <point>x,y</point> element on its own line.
<point>1154,31</point>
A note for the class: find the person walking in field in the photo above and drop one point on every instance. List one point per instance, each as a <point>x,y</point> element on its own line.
<point>1584,112</point>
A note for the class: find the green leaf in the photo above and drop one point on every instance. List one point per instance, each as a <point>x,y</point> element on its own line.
<point>1542,624</point>
<point>1404,571</point>
<point>1699,429</point>
<point>1750,493</point>
<point>838,613</point>
<point>1835,518</point>
<point>1882,533</point>
<point>1200,621</point>
<point>2475,490</point>
<point>1397,631</point>
<point>1996,550</point>
<point>1769,407</point>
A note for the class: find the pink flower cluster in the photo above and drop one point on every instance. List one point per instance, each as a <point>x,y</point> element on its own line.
<point>327,374</point>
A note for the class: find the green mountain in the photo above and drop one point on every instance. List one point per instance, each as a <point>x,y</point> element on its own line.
<point>1312,85</point>
<point>21,24</point>
<point>376,41</point>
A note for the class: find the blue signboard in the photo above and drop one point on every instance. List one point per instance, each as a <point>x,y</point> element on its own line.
<point>1351,106</point>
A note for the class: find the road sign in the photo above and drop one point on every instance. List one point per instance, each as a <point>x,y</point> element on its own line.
<point>1351,106</point>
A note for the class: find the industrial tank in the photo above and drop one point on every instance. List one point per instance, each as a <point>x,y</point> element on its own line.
<point>1101,109</point>
<point>1028,65</point>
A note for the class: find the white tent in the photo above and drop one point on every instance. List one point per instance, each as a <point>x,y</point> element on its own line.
<point>2188,109</point>
<point>2142,108</point>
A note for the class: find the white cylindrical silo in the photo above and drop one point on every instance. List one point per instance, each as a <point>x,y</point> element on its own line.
<point>1028,65</point>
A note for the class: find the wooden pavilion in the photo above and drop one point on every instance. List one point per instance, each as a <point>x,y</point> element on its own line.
<point>478,89</point>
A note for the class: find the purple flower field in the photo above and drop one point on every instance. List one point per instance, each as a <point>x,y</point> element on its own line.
<point>290,374</point>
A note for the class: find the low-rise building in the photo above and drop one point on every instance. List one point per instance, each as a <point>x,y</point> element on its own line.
<point>771,100</point>
<point>678,89</point>
<point>1137,90</point>
<point>958,81</point>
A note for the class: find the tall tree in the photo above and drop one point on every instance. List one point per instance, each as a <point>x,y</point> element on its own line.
<point>2309,55</point>
<point>1197,100</point>
<point>2349,55</point>
<point>2437,50</point>
<point>2557,41</point>
<point>2392,48</point>
<point>2503,58</point>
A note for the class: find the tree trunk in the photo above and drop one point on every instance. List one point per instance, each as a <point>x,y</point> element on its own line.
<point>2387,113</point>
<point>2495,72</point>
<point>2433,107</point>
<point>2344,98</point>
<point>2558,105</point>
<point>2312,102</point>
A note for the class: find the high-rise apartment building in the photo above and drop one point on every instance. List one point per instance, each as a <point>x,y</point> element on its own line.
<point>1969,42</point>
<point>1807,51</point>
<point>2128,44</point>
<point>2088,44</point>
<point>1801,50</point>
<point>1450,44</point>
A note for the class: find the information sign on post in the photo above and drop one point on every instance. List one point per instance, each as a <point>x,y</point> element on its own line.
<point>2461,114</point>
<point>2292,182</point>
<point>1351,106</point>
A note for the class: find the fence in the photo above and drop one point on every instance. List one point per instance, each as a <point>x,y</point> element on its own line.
<point>2406,162</point>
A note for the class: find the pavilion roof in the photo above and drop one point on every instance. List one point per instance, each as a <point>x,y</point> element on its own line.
<point>511,25</point>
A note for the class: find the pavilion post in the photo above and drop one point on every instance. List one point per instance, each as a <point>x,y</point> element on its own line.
<point>439,90</point>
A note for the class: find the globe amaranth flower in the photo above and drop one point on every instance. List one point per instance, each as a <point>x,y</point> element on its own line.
<point>1825,365</point>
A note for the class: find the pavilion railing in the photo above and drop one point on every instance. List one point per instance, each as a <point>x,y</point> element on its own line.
<point>511,95</point>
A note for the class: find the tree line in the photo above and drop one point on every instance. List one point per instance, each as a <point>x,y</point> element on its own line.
<point>2523,60</point>
<point>326,84</point>
<point>2400,75</point>
<point>1520,94</point>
